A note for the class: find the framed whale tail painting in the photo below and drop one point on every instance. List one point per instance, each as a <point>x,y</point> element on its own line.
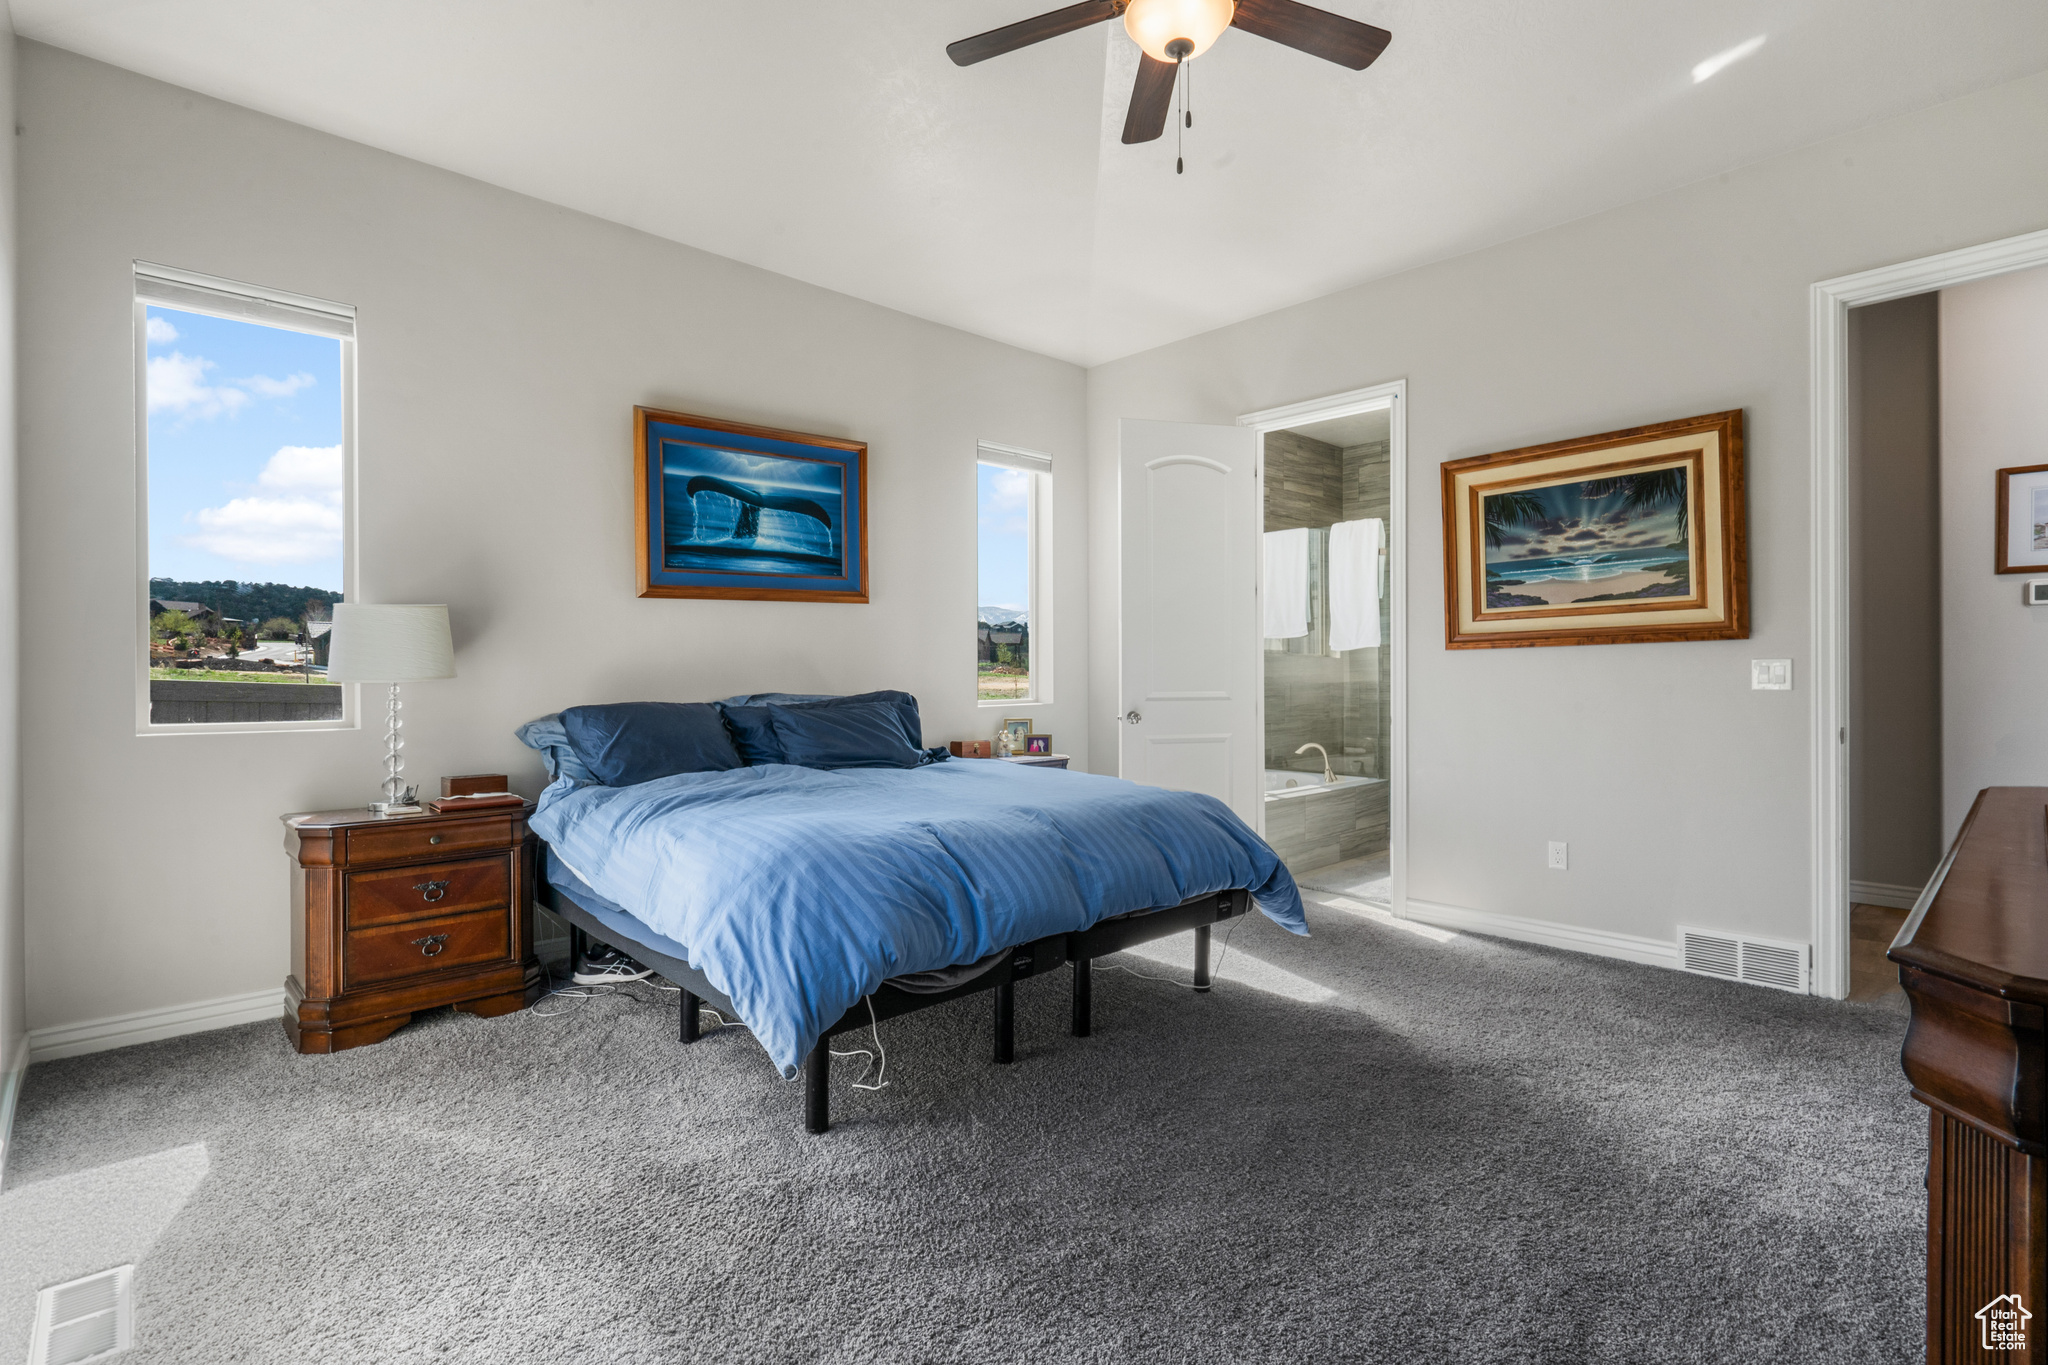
<point>729,510</point>
<point>1628,537</point>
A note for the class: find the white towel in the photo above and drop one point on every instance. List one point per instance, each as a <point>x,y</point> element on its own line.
<point>1354,577</point>
<point>1287,583</point>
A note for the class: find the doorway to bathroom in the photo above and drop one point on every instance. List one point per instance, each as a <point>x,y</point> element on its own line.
<point>1329,607</point>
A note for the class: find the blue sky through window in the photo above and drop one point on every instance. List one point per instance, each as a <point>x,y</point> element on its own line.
<point>1004,517</point>
<point>245,473</point>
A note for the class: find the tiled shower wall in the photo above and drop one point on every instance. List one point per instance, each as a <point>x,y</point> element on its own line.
<point>1368,493</point>
<point>1338,703</point>
<point>1305,486</point>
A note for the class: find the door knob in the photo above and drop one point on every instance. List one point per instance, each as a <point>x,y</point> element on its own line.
<point>1133,717</point>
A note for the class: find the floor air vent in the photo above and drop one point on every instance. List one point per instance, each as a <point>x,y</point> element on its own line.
<point>87,1319</point>
<point>1759,961</point>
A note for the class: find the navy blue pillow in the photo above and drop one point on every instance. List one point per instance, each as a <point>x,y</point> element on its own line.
<point>754,732</point>
<point>847,735</point>
<point>637,741</point>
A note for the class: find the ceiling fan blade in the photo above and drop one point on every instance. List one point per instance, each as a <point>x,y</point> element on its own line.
<point>1151,100</point>
<point>1314,31</point>
<point>1025,32</point>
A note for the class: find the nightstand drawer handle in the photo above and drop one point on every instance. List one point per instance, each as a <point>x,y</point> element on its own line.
<point>433,838</point>
<point>432,945</point>
<point>431,891</point>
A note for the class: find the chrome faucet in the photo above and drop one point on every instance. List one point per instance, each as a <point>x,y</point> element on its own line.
<point>1328,777</point>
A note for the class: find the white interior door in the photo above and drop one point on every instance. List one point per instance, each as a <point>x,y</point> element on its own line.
<point>1190,504</point>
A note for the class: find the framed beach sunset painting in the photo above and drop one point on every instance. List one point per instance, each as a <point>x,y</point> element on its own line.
<point>729,510</point>
<point>1623,538</point>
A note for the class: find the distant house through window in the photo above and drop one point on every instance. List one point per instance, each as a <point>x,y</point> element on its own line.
<point>245,457</point>
<point>1010,487</point>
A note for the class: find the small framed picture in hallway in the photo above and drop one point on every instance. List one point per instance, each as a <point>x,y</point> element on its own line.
<point>2023,519</point>
<point>1626,537</point>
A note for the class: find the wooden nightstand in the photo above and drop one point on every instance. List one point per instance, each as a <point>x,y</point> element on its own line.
<point>396,914</point>
<point>1037,760</point>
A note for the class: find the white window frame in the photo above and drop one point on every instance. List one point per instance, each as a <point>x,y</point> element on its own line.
<point>190,292</point>
<point>1037,465</point>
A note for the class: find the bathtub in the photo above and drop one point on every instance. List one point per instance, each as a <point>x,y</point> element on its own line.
<point>1284,785</point>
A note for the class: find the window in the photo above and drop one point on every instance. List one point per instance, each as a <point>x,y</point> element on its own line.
<point>1011,487</point>
<point>246,446</point>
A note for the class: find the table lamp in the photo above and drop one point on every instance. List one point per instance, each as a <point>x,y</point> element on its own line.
<point>390,644</point>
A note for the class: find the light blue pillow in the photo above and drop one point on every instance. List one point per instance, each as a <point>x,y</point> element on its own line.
<point>551,738</point>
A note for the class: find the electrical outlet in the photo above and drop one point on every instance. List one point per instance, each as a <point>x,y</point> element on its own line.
<point>1770,675</point>
<point>1557,855</point>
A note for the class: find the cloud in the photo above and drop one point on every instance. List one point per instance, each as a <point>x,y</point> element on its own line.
<point>177,384</point>
<point>293,517</point>
<point>266,387</point>
<point>1008,503</point>
<point>160,332</point>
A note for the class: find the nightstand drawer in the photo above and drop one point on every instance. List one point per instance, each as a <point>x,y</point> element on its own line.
<point>426,945</point>
<point>426,890</point>
<point>425,838</point>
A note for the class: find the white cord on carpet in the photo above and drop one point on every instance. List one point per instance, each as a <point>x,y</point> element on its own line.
<point>1215,973</point>
<point>876,1029</point>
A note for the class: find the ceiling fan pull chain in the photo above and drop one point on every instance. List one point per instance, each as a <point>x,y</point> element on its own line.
<point>1191,97</point>
<point>1179,164</point>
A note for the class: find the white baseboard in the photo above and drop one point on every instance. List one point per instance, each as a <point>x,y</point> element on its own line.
<point>1879,893</point>
<point>1650,952</point>
<point>10,1092</point>
<point>149,1026</point>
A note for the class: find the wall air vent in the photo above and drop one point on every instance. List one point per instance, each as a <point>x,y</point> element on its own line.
<point>1758,961</point>
<point>88,1319</point>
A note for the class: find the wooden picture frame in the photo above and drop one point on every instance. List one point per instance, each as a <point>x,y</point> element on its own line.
<point>1628,537</point>
<point>1038,744</point>
<point>727,510</point>
<point>1019,728</point>
<point>2022,530</point>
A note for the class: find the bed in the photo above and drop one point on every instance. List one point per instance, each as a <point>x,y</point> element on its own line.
<point>807,900</point>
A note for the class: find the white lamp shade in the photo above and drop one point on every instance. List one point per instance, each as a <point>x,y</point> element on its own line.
<point>390,644</point>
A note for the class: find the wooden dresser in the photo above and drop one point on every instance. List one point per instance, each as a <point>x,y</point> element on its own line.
<point>1973,959</point>
<point>396,914</point>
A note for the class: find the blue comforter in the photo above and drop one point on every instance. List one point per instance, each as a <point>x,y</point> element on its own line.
<point>799,891</point>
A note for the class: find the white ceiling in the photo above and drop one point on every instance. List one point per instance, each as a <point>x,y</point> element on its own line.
<point>1345,432</point>
<point>832,140</point>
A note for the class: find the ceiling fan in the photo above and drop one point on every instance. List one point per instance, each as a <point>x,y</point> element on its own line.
<point>1175,31</point>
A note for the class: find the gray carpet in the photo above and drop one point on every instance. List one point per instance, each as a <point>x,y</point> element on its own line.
<point>1389,1149</point>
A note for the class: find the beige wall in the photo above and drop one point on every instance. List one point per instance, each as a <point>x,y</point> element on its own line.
<point>1994,414</point>
<point>1685,796</point>
<point>504,343</point>
<point>12,993</point>
<point>1893,441</point>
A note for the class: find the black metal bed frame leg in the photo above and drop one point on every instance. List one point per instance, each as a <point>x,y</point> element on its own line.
<point>1006,1019</point>
<point>1202,958</point>
<point>818,1088</point>
<point>691,1023</point>
<point>575,947</point>
<point>1083,1021</point>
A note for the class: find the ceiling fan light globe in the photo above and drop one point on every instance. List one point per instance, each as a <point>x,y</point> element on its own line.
<point>1153,24</point>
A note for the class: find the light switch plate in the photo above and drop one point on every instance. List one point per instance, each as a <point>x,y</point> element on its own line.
<point>1770,675</point>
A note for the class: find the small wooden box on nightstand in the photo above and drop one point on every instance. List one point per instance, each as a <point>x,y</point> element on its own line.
<point>396,914</point>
